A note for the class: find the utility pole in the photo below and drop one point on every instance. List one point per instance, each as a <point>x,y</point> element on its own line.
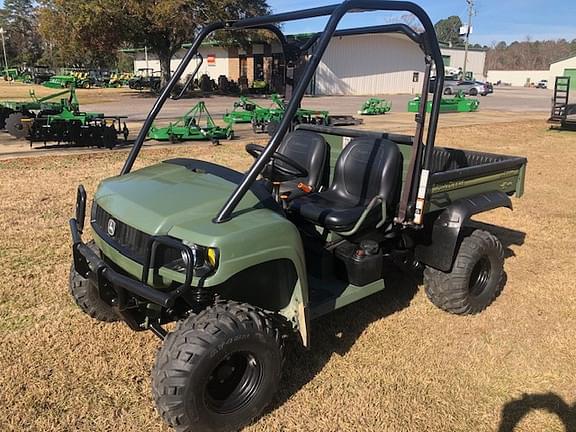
<point>468,27</point>
<point>4,51</point>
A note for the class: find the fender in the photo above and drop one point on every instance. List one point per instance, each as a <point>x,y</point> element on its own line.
<point>446,233</point>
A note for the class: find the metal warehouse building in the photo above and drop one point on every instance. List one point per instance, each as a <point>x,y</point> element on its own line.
<point>366,64</point>
<point>566,67</point>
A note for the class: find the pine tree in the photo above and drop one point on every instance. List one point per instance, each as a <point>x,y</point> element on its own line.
<point>23,42</point>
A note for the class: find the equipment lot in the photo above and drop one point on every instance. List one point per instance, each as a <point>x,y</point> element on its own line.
<point>506,104</point>
<point>392,362</point>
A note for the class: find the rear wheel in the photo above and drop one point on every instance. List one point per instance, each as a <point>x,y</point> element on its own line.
<point>448,91</point>
<point>218,370</point>
<point>476,279</point>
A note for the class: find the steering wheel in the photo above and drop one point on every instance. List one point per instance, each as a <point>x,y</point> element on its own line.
<point>286,169</point>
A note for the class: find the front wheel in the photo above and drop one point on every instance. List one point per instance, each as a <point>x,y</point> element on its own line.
<point>87,297</point>
<point>476,279</point>
<point>218,370</point>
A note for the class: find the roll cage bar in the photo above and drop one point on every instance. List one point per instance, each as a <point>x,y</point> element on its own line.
<point>415,187</point>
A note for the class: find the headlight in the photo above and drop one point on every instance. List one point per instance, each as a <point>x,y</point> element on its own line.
<point>205,261</point>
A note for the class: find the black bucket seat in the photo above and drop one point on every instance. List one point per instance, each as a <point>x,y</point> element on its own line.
<point>311,151</point>
<point>366,168</point>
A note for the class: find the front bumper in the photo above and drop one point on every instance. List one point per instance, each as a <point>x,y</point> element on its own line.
<point>127,289</point>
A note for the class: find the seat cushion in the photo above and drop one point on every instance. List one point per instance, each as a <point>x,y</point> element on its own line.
<point>329,210</point>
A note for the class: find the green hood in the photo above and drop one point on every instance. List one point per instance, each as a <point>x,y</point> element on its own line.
<point>179,192</point>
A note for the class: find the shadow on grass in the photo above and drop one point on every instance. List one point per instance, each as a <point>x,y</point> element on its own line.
<point>514,411</point>
<point>337,332</point>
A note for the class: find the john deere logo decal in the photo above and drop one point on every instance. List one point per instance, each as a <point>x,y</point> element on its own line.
<point>111,227</point>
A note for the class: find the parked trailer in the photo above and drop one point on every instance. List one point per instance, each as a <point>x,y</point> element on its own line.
<point>563,114</point>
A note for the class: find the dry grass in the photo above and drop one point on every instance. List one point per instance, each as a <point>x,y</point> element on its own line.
<point>390,363</point>
<point>20,91</point>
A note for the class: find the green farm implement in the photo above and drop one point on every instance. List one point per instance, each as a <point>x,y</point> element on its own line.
<point>73,79</point>
<point>13,112</point>
<point>458,103</point>
<point>14,74</point>
<point>375,106</point>
<point>265,119</point>
<point>77,128</point>
<point>196,125</point>
<point>243,111</point>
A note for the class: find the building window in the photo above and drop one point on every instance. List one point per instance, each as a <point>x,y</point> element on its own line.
<point>446,60</point>
<point>416,77</point>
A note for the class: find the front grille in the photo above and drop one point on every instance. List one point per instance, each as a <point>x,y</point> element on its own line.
<point>128,240</point>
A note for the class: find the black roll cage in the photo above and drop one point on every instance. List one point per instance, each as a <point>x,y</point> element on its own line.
<point>427,41</point>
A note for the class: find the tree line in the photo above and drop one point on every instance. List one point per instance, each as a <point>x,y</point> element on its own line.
<point>520,55</point>
<point>79,33</point>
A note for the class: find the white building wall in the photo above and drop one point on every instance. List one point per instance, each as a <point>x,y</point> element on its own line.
<point>557,69</point>
<point>220,66</point>
<point>369,65</point>
<point>475,62</point>
<point>518,78</point>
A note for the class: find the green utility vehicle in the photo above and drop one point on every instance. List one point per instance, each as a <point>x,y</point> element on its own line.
<point>196,125</point>
<point>458,103</point>
<point>244,262</point>
<point>375,106</point>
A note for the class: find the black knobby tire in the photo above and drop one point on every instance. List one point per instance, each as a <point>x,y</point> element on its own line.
<point>86,296</point>
<point>476,279</point>
<point>218,370</point>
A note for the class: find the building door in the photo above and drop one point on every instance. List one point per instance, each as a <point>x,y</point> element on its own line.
<point>258,67</point>
<point>572,74</point>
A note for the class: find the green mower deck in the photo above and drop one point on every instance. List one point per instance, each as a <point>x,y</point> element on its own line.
<point>458,103</point>
<point>196,125</point>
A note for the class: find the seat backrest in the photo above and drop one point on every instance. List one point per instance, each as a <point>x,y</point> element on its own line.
<point>310,150</point>
<point>368,167</point>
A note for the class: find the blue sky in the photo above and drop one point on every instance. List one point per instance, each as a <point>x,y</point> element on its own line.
<point>495,20</point>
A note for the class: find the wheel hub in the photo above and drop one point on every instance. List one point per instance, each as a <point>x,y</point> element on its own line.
<point>233,383</point>
<point>479,276</point>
